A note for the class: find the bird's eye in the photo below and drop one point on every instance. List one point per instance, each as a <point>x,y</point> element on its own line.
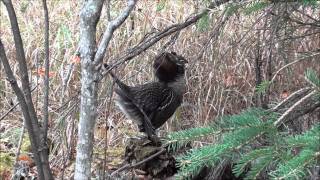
<point>181,62</point>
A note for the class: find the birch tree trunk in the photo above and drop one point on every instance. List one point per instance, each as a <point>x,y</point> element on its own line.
<point>92,57</point>
<point>89,17</point>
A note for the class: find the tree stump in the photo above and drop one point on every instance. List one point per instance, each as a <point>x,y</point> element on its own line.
<point>153,161</point>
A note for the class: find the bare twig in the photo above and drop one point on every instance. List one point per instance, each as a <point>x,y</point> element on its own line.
<point>171,42</point>
<point>285,114</point>
<point>112,26</point>
<point>21,59</point>
<point>214,34</point>
<point>66,78</point>
<point>128,166</point>
<point>240,41</point>
<point>149,41</point>
<point>70,137</point>
<point>46,76</point>
<point>14,106</point>
<point>76,94</point>
<point>294,62</point>
<point>107,129</point>
<point>108,3</point>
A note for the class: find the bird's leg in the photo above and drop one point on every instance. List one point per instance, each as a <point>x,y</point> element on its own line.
<point>150,132</point>
<point>149,129</point>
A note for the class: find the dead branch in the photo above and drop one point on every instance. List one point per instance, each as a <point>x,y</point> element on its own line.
<point>46,76</point>
<point>150,40</point>
<point>290,99</point>
<point>107,113</point>
<point>289,64</point>
<point>112,26</point>
<point>14,106</point>
<point>20,58</point>
<point>303,106</point>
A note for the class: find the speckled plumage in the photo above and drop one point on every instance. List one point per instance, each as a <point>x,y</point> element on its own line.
<point>159,99</point>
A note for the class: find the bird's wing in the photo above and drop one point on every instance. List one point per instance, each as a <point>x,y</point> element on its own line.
<point>167,108</point>
<point>151,96</point>
<point>159,102</point>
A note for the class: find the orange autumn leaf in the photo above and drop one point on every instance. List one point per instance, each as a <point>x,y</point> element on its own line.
<point>24,157</point>
<point>76,59</point>
<point>41,72</point>
<point>27,159</point>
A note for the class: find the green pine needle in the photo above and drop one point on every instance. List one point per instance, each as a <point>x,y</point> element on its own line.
<point>313,3</point>
<point>296,167</point>
<point>176,140</point>
<point>250,117</point>
<point>191,163</point>
<point>309,139</point>
<point>161,5</point>
<point>260,165</point>
<point>262,87</point>
<point>312,77</point>
<point>248,158</point>
<point>236,134</point>
<point>203,23</point>
<point>232,9</point>
<point>255,6</point>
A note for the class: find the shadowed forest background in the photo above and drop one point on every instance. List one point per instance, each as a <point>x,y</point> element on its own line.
<point>240,55</point>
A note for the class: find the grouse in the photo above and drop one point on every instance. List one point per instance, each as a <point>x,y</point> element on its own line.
<point>150,105</point>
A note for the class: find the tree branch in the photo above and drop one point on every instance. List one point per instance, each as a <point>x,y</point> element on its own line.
<point>299,108</point>
<point>21,59</point>
<point>44,144</point>
<point>291,63</point>
<point>14,106</point>
<point>24,107</point>
<point>149,41</point>
<point>39,148</point>
<point>46,77</point>
<point>112,26</point>
<point>291,99</point>
<point>89,17</point>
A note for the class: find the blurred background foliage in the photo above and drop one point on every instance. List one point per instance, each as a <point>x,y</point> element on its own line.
<point>224,49</point>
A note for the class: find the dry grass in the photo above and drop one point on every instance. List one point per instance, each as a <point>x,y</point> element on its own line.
<point>220,80</point>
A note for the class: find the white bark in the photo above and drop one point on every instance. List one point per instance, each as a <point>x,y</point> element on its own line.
<point>89,17</point>
<point>88,115</point>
